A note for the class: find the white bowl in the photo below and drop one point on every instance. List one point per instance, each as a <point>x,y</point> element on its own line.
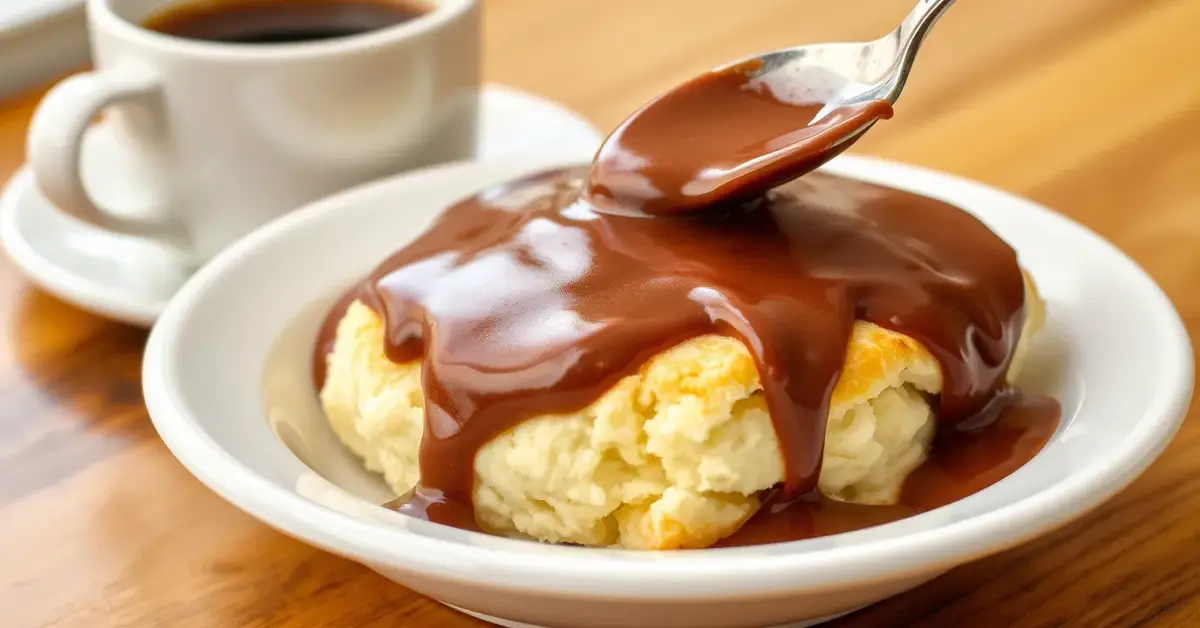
<point>226,379</point>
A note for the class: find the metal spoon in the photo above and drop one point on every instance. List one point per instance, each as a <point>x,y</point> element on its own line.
<point>711,139</point>
<point>855,72</point>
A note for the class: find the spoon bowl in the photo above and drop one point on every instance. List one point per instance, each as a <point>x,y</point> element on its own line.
<point>743,128</point>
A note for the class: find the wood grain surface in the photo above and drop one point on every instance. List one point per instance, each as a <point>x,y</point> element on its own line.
<point>1089,106</point>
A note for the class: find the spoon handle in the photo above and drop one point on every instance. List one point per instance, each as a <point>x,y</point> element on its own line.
<point>908,37</point>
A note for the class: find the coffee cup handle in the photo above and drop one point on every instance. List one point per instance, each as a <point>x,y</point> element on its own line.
<point>55,138</point>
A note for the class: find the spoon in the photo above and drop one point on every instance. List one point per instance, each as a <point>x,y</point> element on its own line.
<point>748,126</point>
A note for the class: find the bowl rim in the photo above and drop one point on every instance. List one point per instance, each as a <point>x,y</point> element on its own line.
<point>582,571</point>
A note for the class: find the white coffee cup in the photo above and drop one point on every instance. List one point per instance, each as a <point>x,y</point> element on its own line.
<point>237,134</point>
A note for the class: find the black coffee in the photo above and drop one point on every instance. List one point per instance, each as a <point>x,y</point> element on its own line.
<point>281,21</point>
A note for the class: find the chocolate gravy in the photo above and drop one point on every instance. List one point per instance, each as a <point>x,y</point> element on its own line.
<point>965,458</point>
<point>535,297</point>
<point>524,301</point>
<point>725,135</point>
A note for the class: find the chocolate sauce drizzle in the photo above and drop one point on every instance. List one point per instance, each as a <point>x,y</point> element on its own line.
<point>723,136</point>
<point>524,302</point>
<point>534,297</point>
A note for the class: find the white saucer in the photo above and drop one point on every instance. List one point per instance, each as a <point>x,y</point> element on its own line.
<point>131,280</point>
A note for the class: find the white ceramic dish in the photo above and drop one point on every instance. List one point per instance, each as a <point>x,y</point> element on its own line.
<point>131,280</point>
<point>226,382</point>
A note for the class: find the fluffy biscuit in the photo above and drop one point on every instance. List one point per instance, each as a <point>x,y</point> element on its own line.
<point>673,456</point>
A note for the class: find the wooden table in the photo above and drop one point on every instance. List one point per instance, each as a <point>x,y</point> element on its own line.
<point>1089,106</point>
